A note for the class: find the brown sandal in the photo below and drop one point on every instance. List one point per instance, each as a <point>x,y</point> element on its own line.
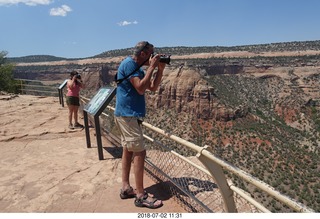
<point>128,193</point>
<point>147,201</point>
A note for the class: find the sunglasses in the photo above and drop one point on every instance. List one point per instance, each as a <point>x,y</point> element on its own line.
<point>145,46</point>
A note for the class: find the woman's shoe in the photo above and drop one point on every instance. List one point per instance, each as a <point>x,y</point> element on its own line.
<point>78,125</point>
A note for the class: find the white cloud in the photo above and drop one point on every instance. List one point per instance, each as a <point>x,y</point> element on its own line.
<point>62,11</point>
<point>26,2</point>
<point>125,23</point>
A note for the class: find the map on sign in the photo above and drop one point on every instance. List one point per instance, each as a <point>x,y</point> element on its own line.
<point>100,100</point>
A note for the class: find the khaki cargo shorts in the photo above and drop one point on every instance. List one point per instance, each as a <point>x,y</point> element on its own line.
<point>131,133</point>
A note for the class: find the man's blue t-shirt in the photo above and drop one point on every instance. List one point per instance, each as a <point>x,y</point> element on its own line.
<point>129,103</point>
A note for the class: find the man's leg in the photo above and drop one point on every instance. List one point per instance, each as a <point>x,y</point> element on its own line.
<point>126,166</point>
<point>139,171</point>
<point>142,200</point>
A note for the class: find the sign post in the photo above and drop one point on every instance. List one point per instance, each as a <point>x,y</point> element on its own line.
<point>95,107</point>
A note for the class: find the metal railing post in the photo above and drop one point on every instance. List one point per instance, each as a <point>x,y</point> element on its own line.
<point>217,173</point>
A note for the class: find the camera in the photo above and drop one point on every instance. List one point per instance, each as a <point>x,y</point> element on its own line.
<point>78,76</point>
<point>164,58</point>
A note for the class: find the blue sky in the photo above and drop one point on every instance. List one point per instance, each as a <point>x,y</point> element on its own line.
<point>84,28</point>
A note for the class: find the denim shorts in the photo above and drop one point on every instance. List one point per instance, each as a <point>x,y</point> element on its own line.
<point>131,133</point>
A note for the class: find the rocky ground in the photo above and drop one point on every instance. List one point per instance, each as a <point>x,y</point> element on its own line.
<point>45,167</point>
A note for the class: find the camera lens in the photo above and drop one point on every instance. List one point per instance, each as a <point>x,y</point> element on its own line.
<point>165,59</point>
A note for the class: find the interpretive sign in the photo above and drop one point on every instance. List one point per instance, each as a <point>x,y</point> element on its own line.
<point>60,91</point>
<point>63,84</point>
<point>95,107</point>
<point>99,102</point>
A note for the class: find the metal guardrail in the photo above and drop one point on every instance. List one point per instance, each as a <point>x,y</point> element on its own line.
<point>200,186</point>
<point>36,87</point>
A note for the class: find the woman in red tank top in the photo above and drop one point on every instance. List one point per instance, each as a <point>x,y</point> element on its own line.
<point>74,85</point>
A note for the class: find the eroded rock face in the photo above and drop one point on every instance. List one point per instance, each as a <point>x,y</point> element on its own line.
<point>185,90</point>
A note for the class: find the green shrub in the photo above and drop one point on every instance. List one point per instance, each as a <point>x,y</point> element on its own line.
<point>7,82</point>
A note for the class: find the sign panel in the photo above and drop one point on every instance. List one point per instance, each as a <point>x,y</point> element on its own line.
<point>102,98</point>
<point>63,84</point>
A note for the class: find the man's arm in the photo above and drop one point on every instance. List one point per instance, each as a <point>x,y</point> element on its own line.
<point>141,85</point>
<point>154,84</point>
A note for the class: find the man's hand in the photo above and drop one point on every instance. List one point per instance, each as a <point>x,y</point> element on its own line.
<point>154,61</point>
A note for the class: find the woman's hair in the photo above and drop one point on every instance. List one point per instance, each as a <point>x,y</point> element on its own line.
<point>73,73</point>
